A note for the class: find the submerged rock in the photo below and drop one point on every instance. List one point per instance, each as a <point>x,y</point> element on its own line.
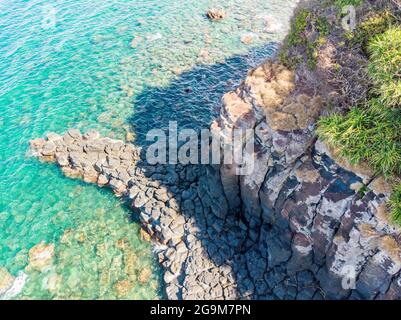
<point>123,288</point>
<point>145,275</point>
<point>248,38</point>
<point>6,281</point>
<point>41,256</point>
<point>135,41</point>
<point>129,136</point>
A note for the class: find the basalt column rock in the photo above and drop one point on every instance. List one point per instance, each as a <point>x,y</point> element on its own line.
<point>281,119</point>
<point>319,235</point>
<point>302,223</point>
<point>182,208</point>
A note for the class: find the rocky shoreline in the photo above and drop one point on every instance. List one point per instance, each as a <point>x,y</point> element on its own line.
<point>304,225</point>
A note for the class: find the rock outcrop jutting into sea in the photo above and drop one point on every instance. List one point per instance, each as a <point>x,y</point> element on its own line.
<point>304,225</point>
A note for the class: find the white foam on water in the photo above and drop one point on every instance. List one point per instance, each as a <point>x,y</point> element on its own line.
<point>16,287</point>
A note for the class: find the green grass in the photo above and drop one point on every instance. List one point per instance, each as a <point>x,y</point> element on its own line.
<point>372,134</point>
<point>369,135</point>
<point>323,26</point>
<point>385,66</point>
<point>343,3</point>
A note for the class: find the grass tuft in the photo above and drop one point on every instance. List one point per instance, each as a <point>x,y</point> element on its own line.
<point>385,66</point>
<point>369,135</point>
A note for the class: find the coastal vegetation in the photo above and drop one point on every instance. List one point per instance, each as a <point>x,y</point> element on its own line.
<point>305,21</point>
<point>370,132</point>
<point>374,24</point>
<point>342,3</point>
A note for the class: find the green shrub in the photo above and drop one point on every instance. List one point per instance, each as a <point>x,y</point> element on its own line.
<point>395,203</point>
<point>298,27</point>
<point>323,26</point>
<point>302,27</point>
<point>373,134</point>
<point>297,36</point>
<point>385,66</point>
<point>376,23</point>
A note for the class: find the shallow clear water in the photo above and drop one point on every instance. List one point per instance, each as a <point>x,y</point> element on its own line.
<point>115,66</point>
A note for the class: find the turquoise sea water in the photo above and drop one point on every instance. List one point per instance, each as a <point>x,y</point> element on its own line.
<point>115,66</point>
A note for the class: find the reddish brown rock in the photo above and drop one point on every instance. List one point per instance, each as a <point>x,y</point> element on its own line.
<point>216,14</point>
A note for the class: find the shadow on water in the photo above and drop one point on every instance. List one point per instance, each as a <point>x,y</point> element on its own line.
<point>193,100</point>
